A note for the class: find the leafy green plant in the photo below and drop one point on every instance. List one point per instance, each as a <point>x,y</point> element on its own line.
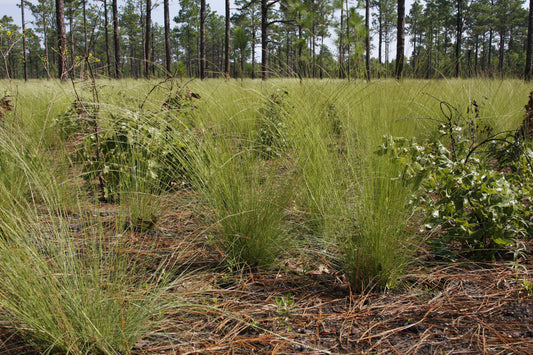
<point>284,306</point>
<point>74,120</point>
<point>140,205</point>
<point>271,131</point>
<point>478,207</point>
<point>5,106</point>
<point>334,120</point>
<point>134,146</point>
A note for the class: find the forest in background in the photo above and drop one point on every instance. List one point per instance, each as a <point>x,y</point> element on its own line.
<point>262,38</point>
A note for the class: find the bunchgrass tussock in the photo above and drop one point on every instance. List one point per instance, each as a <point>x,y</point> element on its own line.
<point>249,197</point>
<point>379,245</point>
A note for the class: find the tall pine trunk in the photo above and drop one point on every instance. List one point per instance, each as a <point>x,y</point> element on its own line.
<point>46,51</point>
<point>116,41</point>
<point>203,59</point>
<point>148,39</point>
<point>168,54</point>
<point>341,44</point>
<point>489,60</point>
<point>61,41</point>
<point>86,49</point>
<point>400,42</point>
<point>367,39</point>
<point>348,20</point>
<point>459,34</point>
<point>264,39</point>
<point>71,29</point>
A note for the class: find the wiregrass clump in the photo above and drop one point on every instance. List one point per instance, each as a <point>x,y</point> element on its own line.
<point>249,197</point>
<point>379,245</point>
<point>72,294</point>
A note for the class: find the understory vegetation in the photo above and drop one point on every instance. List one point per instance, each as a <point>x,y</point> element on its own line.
<point>356,177</point>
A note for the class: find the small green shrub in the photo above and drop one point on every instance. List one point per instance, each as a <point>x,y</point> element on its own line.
<point>74,120</point>
<point>477,202</point>
<point>271,132</point>
<point>139,147</point>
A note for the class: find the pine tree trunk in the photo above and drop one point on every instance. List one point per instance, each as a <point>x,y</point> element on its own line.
<point>459,33</point>
<point>46,51</point>
<point>203,61</point>
<point>226,47</point>
<point>254,39</point>
<point>71,29</point>
<point>85,28</point>
<point>348,68</point>
<point>367,38</point>
<point>400,42</point>
<point>148,39</point>
<point>380,33</point>
<point>62,41</point>
<point>116,41</point>
<point>168,53</point>
<point>341,44</point>
<point>264,39</point>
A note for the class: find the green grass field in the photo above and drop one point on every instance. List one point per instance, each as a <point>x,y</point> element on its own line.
<point>280,173</point>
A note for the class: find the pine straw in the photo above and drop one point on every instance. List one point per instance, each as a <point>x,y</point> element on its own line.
<point>450,309</point>
<point>446,308</point>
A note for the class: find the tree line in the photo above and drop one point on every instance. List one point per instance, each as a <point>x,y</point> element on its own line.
<point>292,38</point>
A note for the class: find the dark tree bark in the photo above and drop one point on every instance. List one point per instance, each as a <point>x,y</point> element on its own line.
<point>24,41</point>
<point>264,39</point>
<point>116,41</point>
<point>501,51</point>
<point>61,41</point>
<point>148,39</point>
<point>459,35</point>
<point>254,40</point>
<point>300,45</point>
<point>203,60</point>
<point>168,53</point>
<point>106,34</point>
<point>400,42</point>
<point>367,38</point>
<point>529,48</point>
<point>226,46</point>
